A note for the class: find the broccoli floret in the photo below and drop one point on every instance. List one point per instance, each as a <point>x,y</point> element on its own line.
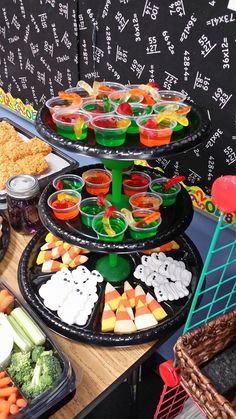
<point>36,352</point>
<point>21,368</point>
<point>46,372</point>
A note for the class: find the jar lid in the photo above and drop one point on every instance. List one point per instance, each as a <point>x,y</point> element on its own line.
<point>22,186</point>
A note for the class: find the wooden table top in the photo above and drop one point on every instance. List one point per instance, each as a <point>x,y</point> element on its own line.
<point>98,369</point>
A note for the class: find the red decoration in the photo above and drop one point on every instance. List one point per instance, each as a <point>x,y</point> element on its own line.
<point>125,109</point>
<point>169,374</point>
<point>224,193</point>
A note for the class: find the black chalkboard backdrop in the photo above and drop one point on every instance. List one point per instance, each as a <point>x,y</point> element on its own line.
<point>185,45</point>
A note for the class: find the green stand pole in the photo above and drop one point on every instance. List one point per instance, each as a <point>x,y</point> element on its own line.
<point>113,268</point>
<point>117,198</point>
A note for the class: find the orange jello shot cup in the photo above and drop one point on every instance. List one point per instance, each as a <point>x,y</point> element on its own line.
<point>145,200</point>
<point>97,181</point>
<point>152,133</point>
<point>65,204</point>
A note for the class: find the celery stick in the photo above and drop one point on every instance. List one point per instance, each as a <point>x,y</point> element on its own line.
<point>27,324</point>
<point>19,340</point>
<point>19,330</point>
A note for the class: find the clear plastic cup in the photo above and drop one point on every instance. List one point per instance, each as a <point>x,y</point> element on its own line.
<point>118,223</point>
<point>130,190</point>
<point>111,87</point>
<point>89,208</point>
<point>56,103</point>
<point>72,123</point>
<point>180,108</point>
<point>146,200</point>
<point>168,196</point>
<point>68,181</point>
<point>65,213</point>
<point>145,232</point>
<point>171,96</point>
<point>119,97</point>
<point>159,135</point>
<point>80,91</point>
<point>138,111</point>
<point>110,136</point>
<point>97,181</point>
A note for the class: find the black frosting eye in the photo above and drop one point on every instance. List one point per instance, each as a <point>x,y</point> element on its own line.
<point>76,283</point>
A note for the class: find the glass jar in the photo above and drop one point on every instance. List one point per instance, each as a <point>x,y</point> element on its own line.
<point>22,203</point>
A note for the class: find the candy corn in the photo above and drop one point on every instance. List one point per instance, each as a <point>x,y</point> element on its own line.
<point>112,297</point>
<point>70,254</point>
<point>155,308</point>
<point>164,248</point>
<point>52,266</point>
<point>125,302</point>
<point>84,251</point>
<point>108,319</point>
<point>51,238</point>
<point>78,260</point>
<point>51,245</point>
<point>143,317</point>
<point>130,293</point>
<point>43,256</point>
<point>123,324</point>
<point>139,295</point>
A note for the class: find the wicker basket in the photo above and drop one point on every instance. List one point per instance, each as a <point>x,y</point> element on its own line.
<point>197,347</point>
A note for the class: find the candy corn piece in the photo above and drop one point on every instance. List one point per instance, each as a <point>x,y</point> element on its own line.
<point>155,308</point>
<point>164,248</point>
<point>84,251</point>
<point>123,324</point>
<point>52,266</point>
<point>125,302</point>
<point>43,256</point>
<point>112,297</point>
<point>139,295</point>
<point>51,245</point>
<point>60,250</point>
<point>78,260</point>
<point>51,238</point>
<point>143,317</point>
<point>70,254</point>
<point>108,319</point>
<point>130,293</point>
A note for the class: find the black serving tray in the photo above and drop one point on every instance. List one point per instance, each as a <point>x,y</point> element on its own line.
<point>72,164</point>
<point>30,278</point>
<point>4,240</point>
<point>175,219</point>
<point>54,398</point>
<point>197,132</point>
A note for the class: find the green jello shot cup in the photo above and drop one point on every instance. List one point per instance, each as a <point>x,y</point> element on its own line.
<point>180,107</point>
<point>72,124</point>
<point>68,182</point>
<point>109,136</point>
<point>89,208</point>
<point>168,196</point>
<point>118,223</point>
<point>138,111</point>
<point>139,233</point>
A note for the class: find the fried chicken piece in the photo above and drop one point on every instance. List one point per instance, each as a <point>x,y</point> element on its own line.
<point>15,150</point>
<point>7,133</point>
<point>38,146</point>
<point>7,170</point>
<point>33,165</point>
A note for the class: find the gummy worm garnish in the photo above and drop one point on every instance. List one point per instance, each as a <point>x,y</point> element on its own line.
<point>106,104</point>
<point>128,215</point>
<point>86,87</point>
<point>78,127</point>
<point>124,123</point>
<point>173,181</point>
<point>101,199</point>
<point>106,220</point>
<point>74,97</point>
<point>172,116</point>
<point>148,219</point>
<point>148,98</point>
<point>153,92</point>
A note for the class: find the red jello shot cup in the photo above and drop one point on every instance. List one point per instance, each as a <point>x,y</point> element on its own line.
<point>153,134</point>
<point>135,183</point>
<point>97,181</point>
<point>59,207</point>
